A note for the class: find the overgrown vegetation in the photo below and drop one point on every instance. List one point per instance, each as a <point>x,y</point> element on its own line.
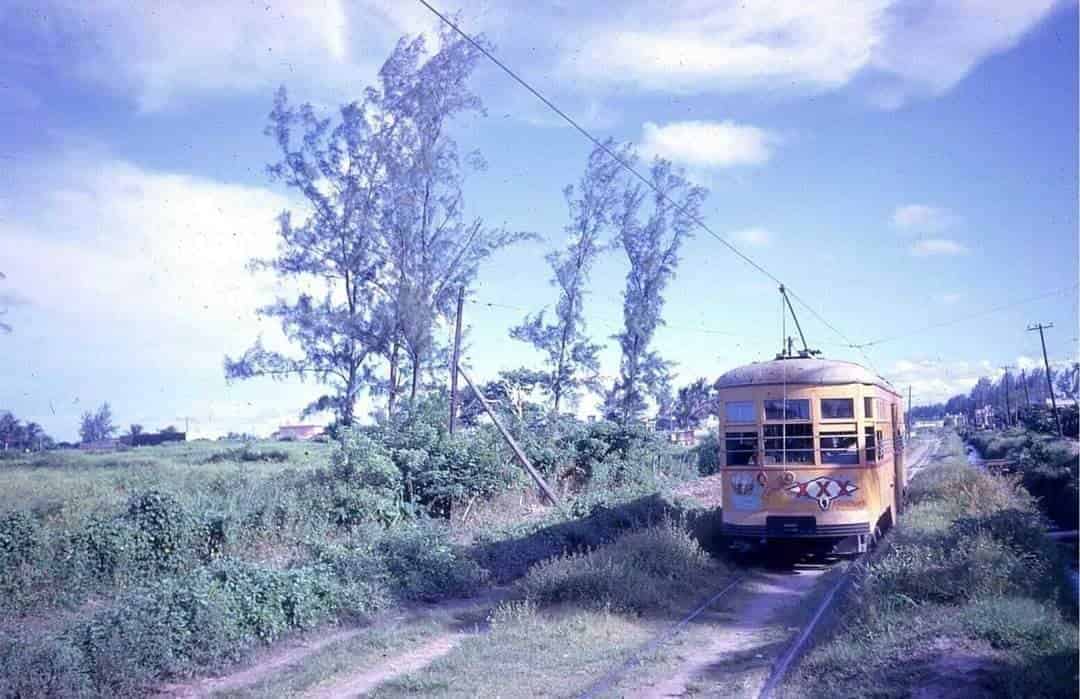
<point>968,591</point>
<point>166,568</point>
<point>1048,468</point>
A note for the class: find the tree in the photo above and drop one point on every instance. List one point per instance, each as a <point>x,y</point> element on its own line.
<point>571,359</point>
<point>34,436</point>
<point>339,171</point>
<point>1067,382</point>
<point>386,237</point>
<point>10,431</point>
<point>432,251</point>
<point>651,242</point>
<point>97,426</point>
<point>693,404</point>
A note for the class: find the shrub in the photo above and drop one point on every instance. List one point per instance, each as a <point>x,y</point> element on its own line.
<point>21,548</point>
<point>43,667</point>
<point>642,570</point>
<point>367,485</point>
<point>248,454</point>
<point>424,564</point>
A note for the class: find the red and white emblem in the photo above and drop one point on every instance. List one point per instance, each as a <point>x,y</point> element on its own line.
<point>823,489</point>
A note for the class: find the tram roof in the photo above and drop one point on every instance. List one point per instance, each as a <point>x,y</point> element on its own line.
<point>802,371</point>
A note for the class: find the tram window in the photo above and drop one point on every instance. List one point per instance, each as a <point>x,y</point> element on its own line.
<point>868,408</point>
<point>740,448</point>
<point>739,411</point>
<point>840,447</point>
<point>871,448</point>
<point>789,444</point>
<point>837,408</point>
<point>792,409</point>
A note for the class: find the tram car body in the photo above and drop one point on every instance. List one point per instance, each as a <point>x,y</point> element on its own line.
<point>810,449</point>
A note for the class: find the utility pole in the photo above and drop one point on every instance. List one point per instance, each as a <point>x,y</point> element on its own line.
<point>1027,396</point>
<point>907,421</point>
<point>1046,362</point>
<point>1008,405</point>
<point>454,365</point>
<point>514,447</point>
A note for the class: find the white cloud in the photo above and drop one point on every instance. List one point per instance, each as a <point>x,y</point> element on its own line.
<point>951,298</point>
<point>933,382</point>
<point>922,218</point>
<point>708,143</point>
<point>937,246</point>
<point>686,47</point>
<point>136,277</point>
<point>757,237</point>
<point>927,47</point>
<point>161,53</point>
<point>899,48</point>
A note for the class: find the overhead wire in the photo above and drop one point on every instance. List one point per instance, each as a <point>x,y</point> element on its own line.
<point>847,342</point>
<point>629,167</point>
<point>972,316</point>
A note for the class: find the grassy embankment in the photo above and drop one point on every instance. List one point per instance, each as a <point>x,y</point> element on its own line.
<point>121,570</point>
<point>1047,466</point>
<point>967,595</point>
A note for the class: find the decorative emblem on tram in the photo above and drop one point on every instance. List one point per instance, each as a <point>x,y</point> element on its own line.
<point>823,489</point>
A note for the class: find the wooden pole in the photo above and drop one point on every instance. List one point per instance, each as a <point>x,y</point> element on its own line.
<point>1008,404</point>
<point>1049,378</point>
<point>522,459</point>
<point>454,365</point>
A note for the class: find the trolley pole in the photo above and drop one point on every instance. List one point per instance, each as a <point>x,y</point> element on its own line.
<point>1049,380</point>
<point>457,355</point>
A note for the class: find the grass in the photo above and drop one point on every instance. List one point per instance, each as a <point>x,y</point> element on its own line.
<point>65,486</point>
<point>967,594</point>
<point>119,570</point>
<point>575,618</point>
<point>1048,467</point>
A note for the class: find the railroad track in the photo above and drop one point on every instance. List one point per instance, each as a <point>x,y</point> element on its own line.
<point>742,587</point>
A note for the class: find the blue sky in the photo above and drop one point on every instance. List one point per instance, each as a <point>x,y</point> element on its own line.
<point>898,164</point>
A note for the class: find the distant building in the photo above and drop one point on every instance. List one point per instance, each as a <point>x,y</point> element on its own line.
<point>297,433</point>
<point>955,420</point>
<point>682,437</point>
<point>984,417</point>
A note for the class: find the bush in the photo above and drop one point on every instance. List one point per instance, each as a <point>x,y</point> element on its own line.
<point>641,571</point>
<point>367,485</point>
<point>438,467</point>
<point>248,454</point>
<point>44,667</point>
<point>423,563</point>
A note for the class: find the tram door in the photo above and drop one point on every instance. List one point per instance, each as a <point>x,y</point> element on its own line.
<point>898,465</point>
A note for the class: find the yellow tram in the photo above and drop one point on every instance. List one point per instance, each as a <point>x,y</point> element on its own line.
<point>812,450</point>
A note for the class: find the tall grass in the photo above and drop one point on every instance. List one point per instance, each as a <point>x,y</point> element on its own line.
<point>969,570</point>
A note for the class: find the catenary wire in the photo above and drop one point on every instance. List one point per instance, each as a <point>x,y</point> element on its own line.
<point>631,169</point>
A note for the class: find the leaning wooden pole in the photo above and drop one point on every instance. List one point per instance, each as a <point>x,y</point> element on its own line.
<point>522,459</point>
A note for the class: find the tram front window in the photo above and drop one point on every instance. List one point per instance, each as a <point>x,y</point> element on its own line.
<point>839,446</point>
<point>789,444</point>
<point>791,409</point>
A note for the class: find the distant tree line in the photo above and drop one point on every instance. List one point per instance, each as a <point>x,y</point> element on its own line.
<point>15,434</point>
<point>1026,391</point>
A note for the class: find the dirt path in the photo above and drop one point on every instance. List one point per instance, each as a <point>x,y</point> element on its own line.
<point>364,681</point>
<point>732,646</point>
<point>453,614</point>
<point>266,664</point>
